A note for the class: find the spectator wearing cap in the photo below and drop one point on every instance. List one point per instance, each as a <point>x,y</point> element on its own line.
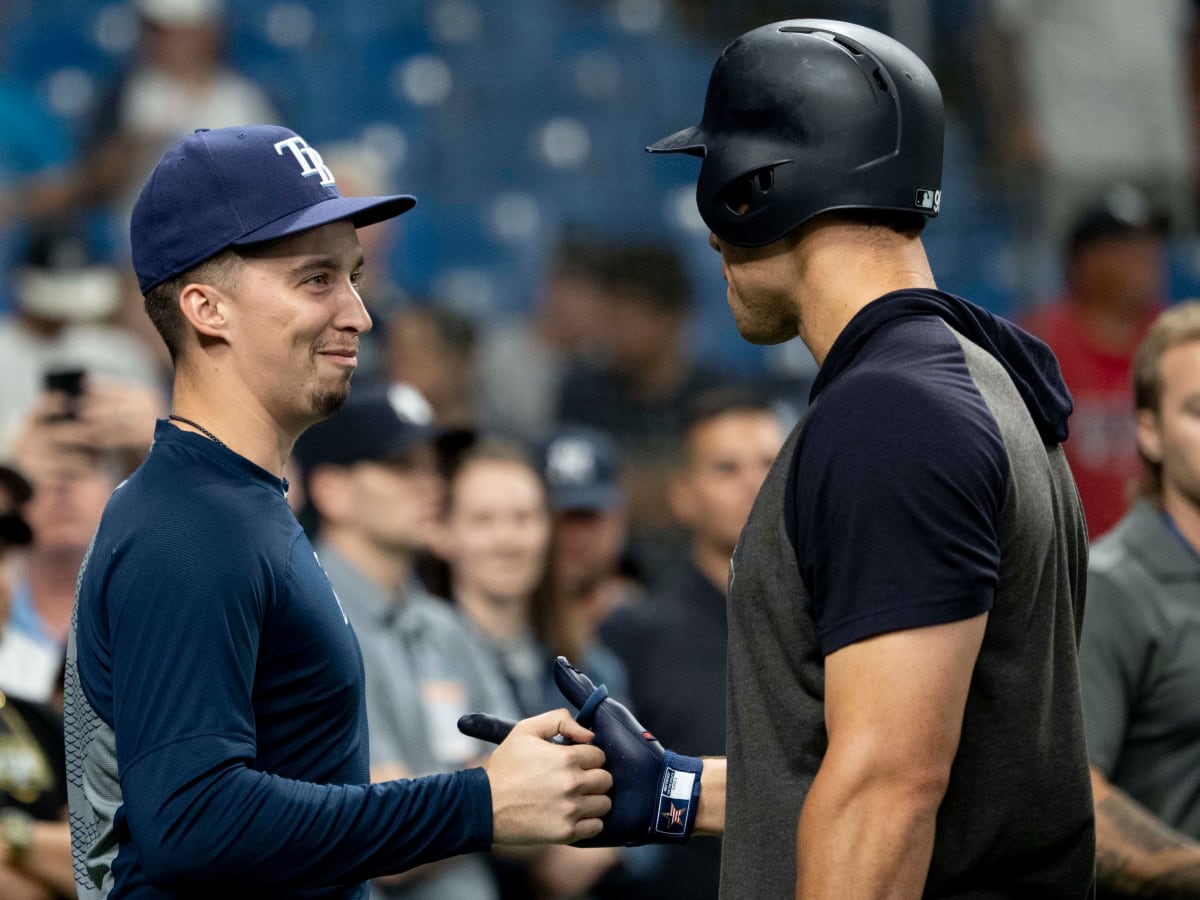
<point>35,850</point>
<point>1116,283</point>
<point>677,635</point>
<point>591,571</point>
<point>372,480</point>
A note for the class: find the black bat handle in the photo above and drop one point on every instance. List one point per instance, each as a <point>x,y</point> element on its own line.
<point>492,729</point>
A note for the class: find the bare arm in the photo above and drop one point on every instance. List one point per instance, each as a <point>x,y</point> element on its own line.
<point>710,817</point>
<point>893,709</point>
<point>1136,854</point>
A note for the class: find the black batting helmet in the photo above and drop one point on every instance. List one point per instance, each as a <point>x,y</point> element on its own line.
<point>812,115</point>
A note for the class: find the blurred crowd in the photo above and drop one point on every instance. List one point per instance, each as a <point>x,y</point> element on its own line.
<point>569,477</point>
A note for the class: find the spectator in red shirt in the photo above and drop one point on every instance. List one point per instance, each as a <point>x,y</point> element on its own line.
<point>1116,273</point>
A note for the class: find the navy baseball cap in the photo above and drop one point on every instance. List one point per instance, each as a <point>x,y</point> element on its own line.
<point>1124,212</point>
<point>379,422</point>
<point>235,186</point>
<point>580,466</point>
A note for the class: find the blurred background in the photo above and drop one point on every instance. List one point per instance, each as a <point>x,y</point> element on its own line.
<point>515,122</point>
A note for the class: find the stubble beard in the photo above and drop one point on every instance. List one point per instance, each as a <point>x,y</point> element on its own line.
<point>325,403</point>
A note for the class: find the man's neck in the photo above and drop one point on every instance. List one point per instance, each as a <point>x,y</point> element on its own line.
<point>846,268</point>
<point>233,418</point>
<point>1111,326</point>
<point>1185,514</point>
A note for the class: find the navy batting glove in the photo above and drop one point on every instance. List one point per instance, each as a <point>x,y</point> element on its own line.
<point>655,792</point>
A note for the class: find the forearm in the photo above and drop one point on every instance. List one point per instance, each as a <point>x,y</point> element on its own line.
<point>873,841</point>
<point>1138,855</point>
<point>710,816</point>
<point>251,828</point>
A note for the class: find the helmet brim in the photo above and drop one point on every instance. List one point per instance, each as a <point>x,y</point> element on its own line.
<point>689,140</point>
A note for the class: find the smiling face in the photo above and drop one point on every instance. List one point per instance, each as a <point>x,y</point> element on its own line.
<point>293,317</point>
<point>498,530</point>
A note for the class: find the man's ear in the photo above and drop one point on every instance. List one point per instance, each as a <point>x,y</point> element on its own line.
<point>204,306</point>
<point>1149,435</point>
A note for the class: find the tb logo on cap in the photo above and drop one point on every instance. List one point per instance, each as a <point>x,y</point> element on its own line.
<point>309,159</point>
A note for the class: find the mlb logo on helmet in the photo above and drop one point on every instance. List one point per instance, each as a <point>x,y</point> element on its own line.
<point>929,199</point>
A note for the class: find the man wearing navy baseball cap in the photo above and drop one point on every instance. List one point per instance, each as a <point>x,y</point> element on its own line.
<point>375,492</point>
<point>216,719</point>
<point>593,571</point>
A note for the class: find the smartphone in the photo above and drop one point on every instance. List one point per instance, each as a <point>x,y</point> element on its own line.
<point>69,382</point>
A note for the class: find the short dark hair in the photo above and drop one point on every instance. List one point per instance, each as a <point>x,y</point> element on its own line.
<point>908,224</point>
<point>712,403</point>
<point>650,271</point>
<point>162,300</point>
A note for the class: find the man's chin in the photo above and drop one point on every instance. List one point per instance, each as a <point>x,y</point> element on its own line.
<point>325,403</point>
<point>755,333</point>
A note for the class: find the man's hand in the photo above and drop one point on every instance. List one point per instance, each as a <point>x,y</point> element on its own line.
<point>543,792</point>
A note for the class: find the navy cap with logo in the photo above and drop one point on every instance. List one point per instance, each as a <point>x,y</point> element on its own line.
<point>379,422</point>
<point>581,469</point>
<point>236,186</point>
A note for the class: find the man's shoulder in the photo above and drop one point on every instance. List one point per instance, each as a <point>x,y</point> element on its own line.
<point>1137,547</point>
<point>166,503</point>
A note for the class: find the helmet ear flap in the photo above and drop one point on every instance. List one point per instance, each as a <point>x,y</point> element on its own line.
<point>748,193</point>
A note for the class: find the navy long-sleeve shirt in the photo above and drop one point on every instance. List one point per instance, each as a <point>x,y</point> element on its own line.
<point>216,722</point>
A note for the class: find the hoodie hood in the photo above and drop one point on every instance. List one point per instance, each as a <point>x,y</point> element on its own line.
<point>1030,364</point>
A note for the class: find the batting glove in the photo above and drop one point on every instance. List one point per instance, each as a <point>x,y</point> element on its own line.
<point>655,792</point>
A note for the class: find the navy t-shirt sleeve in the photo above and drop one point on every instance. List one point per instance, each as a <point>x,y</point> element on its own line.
<point>183,669</point>
<point>894,500</point>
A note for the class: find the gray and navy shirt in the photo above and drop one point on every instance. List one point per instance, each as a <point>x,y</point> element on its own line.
<point>925,485</point>
<point>215,717</point>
